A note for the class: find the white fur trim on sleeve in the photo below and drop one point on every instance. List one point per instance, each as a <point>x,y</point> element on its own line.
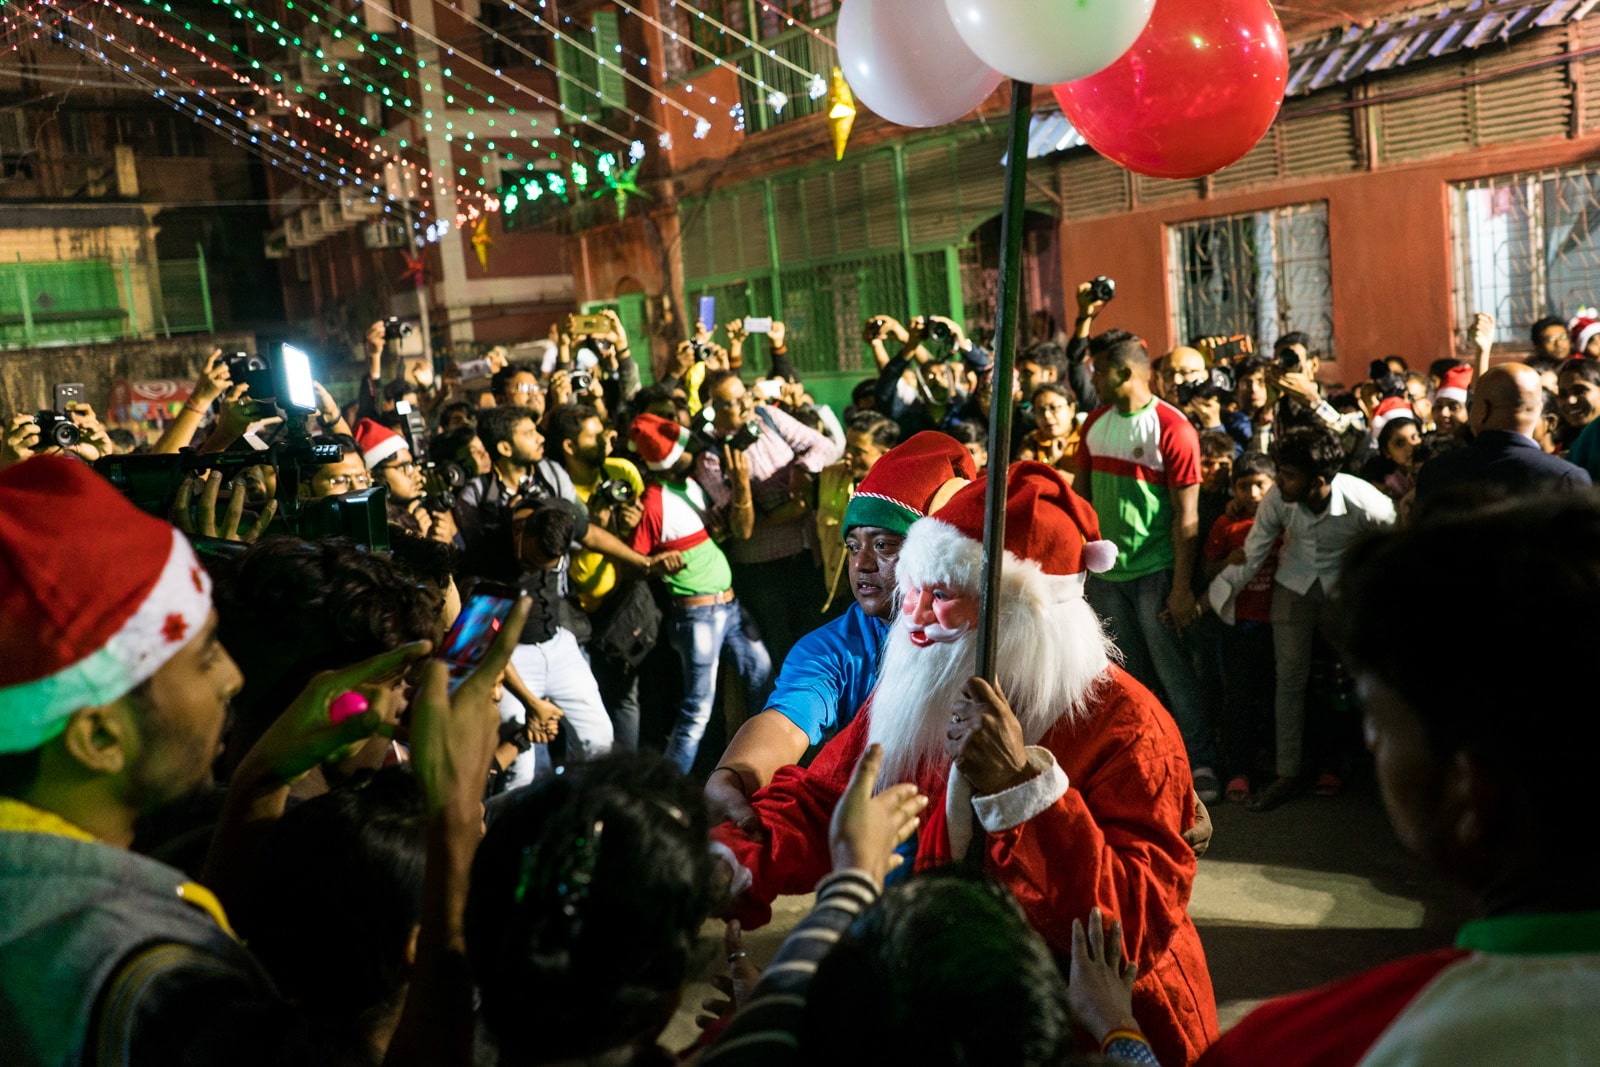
<point>742,878</point>
<point>1012,807</point>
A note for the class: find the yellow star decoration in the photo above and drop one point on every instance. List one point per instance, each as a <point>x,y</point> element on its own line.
<point>481,241</point>
<point>841,112</point>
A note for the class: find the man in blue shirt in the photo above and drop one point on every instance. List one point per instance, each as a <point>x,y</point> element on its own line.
<point>830,672</point>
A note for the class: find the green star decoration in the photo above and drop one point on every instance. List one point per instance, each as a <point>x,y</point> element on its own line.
<point>623,186</point>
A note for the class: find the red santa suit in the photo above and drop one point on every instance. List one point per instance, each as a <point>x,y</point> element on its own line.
<point>1101,822</point>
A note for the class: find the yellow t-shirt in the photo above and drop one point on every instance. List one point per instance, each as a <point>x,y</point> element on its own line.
<point>592,575</point>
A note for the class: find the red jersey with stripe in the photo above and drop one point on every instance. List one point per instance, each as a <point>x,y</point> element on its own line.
<point>1132,463</point>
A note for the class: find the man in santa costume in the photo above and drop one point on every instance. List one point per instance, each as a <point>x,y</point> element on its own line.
<point>1069,776</point>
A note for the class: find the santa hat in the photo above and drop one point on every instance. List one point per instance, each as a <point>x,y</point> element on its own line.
<point>1584,325</point>
<point>1394,407</point>
<point>1052,537</point>
<point>659,442</point>
<point>96,594</point>
<point>910,482</point>
<point>1457,380</point>
<point>377,442</point>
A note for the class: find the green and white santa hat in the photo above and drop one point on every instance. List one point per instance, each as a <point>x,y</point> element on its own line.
<point>910,482</point>
<point>96,596</point>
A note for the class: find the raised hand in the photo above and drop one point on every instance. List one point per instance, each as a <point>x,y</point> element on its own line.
<point>454,735</point>
<point>21,440</point>
<point>205,524</point>
<point>866,829</point>
<point>304,736</point>
<point>214,379</point>
<point>1100,987</point>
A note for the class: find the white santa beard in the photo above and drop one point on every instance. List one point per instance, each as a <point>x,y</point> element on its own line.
<point>1049,660</point>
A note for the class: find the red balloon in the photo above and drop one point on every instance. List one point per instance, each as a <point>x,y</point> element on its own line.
<point>1197,90</point>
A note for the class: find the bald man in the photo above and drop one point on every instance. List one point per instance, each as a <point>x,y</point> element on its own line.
<point>1182,366</point>
<point>1503,458</point>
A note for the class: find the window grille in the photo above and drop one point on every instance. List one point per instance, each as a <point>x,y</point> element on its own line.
<point>1263,274</point>
<point>1525,246</point>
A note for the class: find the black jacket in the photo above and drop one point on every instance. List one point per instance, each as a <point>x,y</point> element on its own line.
<point>1498,463</point>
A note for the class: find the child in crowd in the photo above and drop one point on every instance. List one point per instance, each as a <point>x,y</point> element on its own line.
<point>1246,640</point>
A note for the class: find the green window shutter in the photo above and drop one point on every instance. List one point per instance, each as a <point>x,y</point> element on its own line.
<point>577,65</point>
<point>613,88</point>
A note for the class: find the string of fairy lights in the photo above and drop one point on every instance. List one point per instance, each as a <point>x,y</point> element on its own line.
<point>293,114</point>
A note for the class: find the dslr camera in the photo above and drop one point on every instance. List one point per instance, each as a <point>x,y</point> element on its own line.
<point>57,430</point>
<point>394,328</point>
<point>441,482</point>
<point>581,380</point>
<point>702,350</point>
<point>615,491</point>
<point>940,331</point>
<point>1102,289</point>
<point>1218,383</point>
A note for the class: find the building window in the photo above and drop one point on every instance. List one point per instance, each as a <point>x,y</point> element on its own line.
<point>1261,274</point>
<point>77,136</point>
<point>1525,246</point>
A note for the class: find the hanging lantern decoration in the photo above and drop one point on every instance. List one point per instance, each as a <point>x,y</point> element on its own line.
<point>481,241</point>
<point>841,112</point>
<point>623,185</point>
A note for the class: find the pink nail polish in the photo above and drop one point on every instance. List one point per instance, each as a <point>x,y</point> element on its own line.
<point>345,706</point>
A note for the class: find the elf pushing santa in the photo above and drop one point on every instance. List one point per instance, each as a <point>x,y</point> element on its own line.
<point>1069,776</point>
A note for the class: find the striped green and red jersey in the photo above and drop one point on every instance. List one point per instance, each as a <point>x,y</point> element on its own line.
<point>1132,463</point>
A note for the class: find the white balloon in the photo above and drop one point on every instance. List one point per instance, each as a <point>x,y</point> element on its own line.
<point>904,60</point>
<point>1048,42</point>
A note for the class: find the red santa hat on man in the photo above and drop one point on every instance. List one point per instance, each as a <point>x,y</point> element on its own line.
<point>659,442</point>
<point>1457,381</point>
<point>377,442</point>
<point>89,614</point>
<point>1052,541</point>
<point>1583,326</point>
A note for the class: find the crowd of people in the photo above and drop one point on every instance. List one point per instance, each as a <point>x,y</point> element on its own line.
<point>538,669</point>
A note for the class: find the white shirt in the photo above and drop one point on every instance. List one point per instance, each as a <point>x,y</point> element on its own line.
<point>1314,543</point>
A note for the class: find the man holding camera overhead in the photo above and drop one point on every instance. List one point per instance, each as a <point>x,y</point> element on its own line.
<point>759,475</point>
<point>1294,376</point>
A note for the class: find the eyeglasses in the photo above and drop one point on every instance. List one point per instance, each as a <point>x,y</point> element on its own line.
<point>404,468</point>
<point>530,387</point>
<point>347,482</point>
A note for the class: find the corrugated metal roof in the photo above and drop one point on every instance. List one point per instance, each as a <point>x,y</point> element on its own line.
<point>1391,43</point>
<point>1387,44</point>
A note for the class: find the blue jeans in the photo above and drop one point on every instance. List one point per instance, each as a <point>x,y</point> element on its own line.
<point>699,635</point>
<point>1154,653</point>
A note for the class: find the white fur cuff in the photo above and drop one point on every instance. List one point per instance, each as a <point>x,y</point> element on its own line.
<point>742,878</point>
<point>1012,807</point>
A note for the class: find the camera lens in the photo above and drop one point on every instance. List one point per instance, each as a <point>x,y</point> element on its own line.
<point>63,434</point>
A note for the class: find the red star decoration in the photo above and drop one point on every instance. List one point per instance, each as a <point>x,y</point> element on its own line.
<point>413,267</point>
<point>174,628</point>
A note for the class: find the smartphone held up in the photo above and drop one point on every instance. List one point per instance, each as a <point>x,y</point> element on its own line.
<point>480,622</point>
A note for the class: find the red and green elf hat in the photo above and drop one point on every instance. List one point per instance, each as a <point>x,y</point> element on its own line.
<point>910,482</point>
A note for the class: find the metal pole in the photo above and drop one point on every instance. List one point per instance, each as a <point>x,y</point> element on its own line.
<point>205,288</point>
<point>127,284</point>
<point>422,296</point>
<point>1005,361</point>
<point>27,300</point>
